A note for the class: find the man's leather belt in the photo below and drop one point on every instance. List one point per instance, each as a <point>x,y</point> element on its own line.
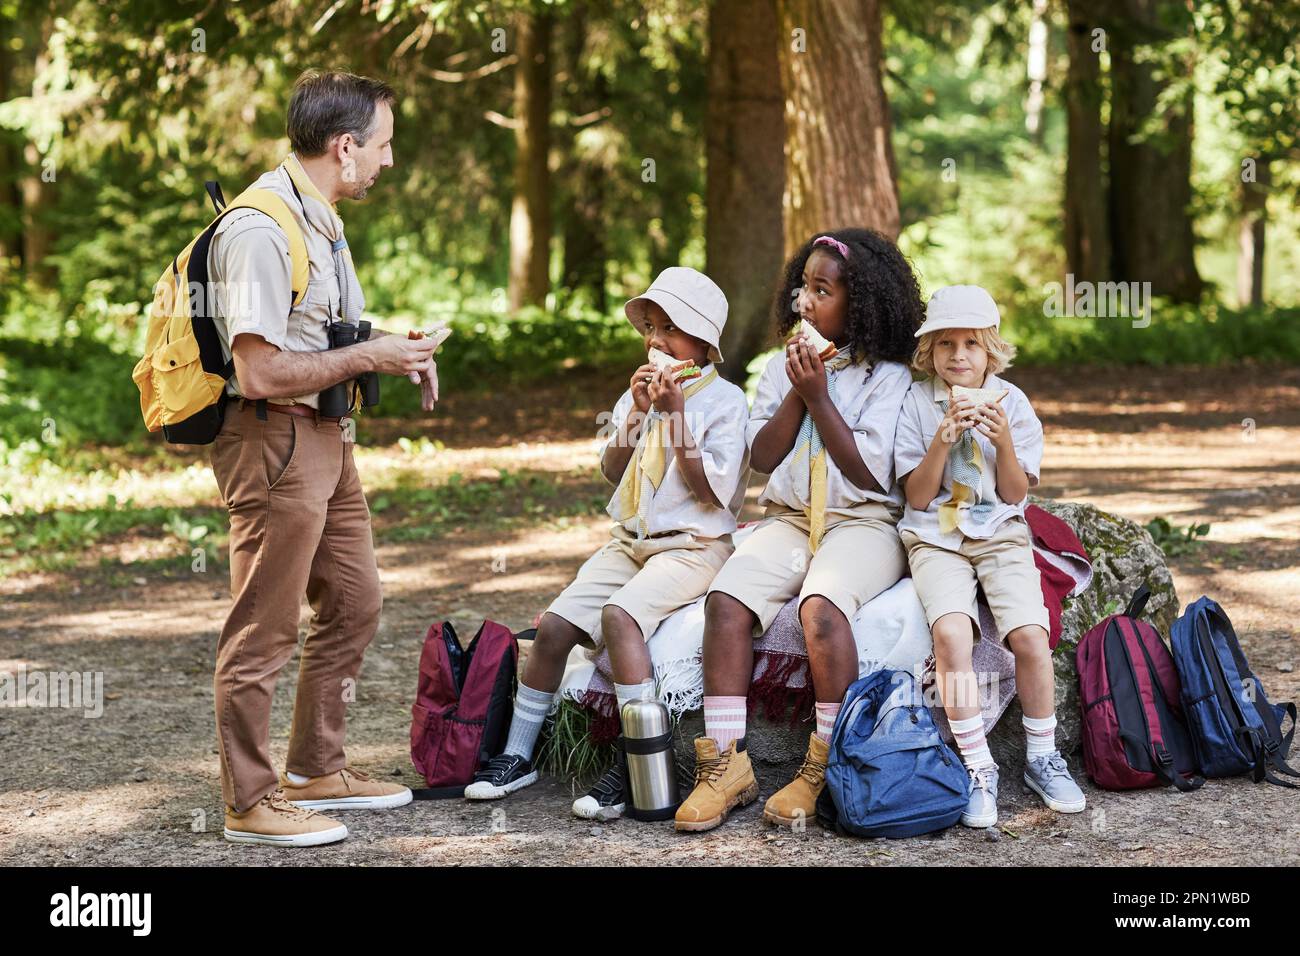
<point>302,411</point>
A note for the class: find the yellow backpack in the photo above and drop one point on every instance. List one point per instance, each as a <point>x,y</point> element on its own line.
<point>182,376</point>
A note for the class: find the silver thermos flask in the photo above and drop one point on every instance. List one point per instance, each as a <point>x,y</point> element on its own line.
<point>651,764</point>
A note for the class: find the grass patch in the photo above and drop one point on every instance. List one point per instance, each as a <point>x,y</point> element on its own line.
<point>59,537</point>
<point>566,749</point>
<point>511,499</point>
<point>63,539</point>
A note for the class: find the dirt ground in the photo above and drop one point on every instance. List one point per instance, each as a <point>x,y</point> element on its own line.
<point>138,785</point>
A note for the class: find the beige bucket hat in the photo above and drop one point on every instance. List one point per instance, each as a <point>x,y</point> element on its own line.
<point>692,300</point>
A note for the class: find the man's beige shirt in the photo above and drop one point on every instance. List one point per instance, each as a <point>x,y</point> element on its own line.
<point>251,274</point>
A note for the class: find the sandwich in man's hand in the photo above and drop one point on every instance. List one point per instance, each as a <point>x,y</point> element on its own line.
<point>439,334</point>
<point>824,348</point>
<point>680,370</point>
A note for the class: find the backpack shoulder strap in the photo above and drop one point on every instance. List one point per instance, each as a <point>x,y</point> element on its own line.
<point>265,201</point>
<point>1137,604</point>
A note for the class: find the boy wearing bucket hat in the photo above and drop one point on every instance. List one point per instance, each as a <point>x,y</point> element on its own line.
<point>967,449</point>
<point>678,458</point>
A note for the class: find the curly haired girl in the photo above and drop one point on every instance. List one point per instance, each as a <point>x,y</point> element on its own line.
<point>822,429</point>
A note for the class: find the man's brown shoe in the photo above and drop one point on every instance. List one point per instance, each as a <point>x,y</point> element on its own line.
<point>274,821</point>
<point>722,783</point>
<point>796,802</point>
<point>345,789</point>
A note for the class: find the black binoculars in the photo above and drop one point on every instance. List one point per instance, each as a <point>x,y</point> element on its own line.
<point>336,401</point>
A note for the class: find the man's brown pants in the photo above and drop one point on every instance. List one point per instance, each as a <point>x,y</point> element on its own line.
<point>298,523</point>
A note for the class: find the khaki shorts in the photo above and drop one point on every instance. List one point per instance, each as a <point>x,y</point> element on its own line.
<point>1003,566</point>
<point>858,558</point>
<point>648,578</point>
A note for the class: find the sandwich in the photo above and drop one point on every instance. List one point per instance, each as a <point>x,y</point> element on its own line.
<point>824,348</point>
<point>979,396</point>
<point>439,334</point>
<point>679,370</point>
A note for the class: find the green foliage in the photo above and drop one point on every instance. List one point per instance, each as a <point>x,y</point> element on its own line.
<point>1175,541</point>
<point>1206,334</point>
<point>490,350</point>
<point>67,393</point>
<point>60,538</point>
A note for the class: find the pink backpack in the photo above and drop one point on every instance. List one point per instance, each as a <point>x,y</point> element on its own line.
<point>463,704</point>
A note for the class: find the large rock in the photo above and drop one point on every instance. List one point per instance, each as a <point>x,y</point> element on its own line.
<point>1123,557</point>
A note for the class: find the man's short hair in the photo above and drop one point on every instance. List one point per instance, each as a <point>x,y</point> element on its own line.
<point>329,103</point>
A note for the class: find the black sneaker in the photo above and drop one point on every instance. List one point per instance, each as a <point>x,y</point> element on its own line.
<point>502,775</point>
<point>606,800</point>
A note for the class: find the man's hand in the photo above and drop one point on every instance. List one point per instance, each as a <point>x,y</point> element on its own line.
<point>428,382</point>
<point>395,355</point>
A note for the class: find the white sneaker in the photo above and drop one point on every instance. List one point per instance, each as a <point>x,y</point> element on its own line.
<point>503,775</point>
<point>607,799</point>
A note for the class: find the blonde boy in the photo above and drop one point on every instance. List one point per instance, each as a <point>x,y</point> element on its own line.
<point>966,465</point>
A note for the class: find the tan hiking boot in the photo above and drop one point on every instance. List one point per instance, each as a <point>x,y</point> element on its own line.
<point>274,821</point>
<point>345,789</point>
<point>796,802</point>
<point>722,783</point>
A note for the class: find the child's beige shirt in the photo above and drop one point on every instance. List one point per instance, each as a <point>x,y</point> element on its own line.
<point>716,417</point>
<point>920,419</point>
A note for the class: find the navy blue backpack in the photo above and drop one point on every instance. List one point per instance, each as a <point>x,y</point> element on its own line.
<point>1234,728</point>
<point>889,774</point>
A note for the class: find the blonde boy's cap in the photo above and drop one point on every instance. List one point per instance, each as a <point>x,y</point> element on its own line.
<point>960,307</point>
<point>692,300</point>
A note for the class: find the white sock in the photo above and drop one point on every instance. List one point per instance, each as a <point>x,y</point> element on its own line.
<point>296,779</point>
<point>972,743</point>
<point>642,691</point>
<point>1040,736</point>
<point>531,708</point>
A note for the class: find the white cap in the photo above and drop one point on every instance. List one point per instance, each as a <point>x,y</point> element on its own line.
<point>959,307</point>
<point>692,300</point>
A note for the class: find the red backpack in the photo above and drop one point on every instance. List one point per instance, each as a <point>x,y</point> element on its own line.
<point>1134,732</point>
<point>463,705</point>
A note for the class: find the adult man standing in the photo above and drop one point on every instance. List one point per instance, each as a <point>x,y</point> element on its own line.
<point>298,518</point>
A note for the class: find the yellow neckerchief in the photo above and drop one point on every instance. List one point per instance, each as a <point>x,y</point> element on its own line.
<point>810,455</point>
<point>649,463</point>
<point>966,466</point>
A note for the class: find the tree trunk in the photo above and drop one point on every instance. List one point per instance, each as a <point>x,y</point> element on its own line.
<point>1250,235</point>
<point>1037,71</point>
<point>530,212</point>
<point>839,160</point>
<point>37,195</point>
<point>1151,188</point>
<point>1087,240</point>
<point>745,133</point>
<point>10,150</point>
<point>585,254</point>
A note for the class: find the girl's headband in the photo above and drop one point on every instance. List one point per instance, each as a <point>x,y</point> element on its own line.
<point>834,243</point>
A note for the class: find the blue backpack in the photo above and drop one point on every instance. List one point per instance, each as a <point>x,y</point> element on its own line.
<point>1234,728</point>
<point>889,774</point>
